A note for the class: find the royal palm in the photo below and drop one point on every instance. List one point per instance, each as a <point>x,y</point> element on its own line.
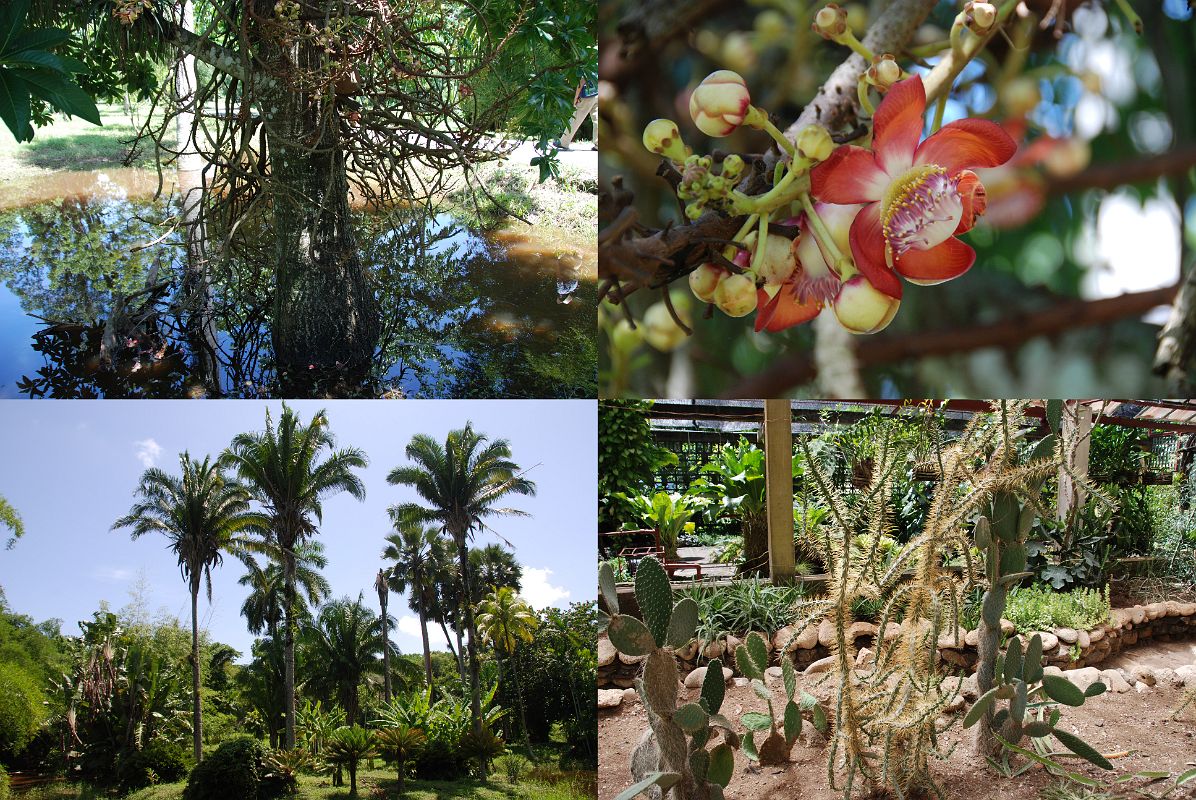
<point>461,483</point>
<point>202,515</point>
<point>290,469</point>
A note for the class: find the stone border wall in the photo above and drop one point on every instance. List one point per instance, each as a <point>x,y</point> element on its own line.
<point>1064,648</point>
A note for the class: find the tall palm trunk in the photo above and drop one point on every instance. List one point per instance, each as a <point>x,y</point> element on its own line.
<point>423,626</point>
<point>197,704</point>
<point>288,642</point>
<point>383,599</point>
<point>475,680</point>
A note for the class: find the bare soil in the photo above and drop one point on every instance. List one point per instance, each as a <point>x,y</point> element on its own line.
<point>1132,724</point>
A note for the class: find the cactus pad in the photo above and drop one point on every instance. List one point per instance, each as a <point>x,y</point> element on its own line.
<point>655,598</point>
<point>630,636</point>
<point>683,623</point>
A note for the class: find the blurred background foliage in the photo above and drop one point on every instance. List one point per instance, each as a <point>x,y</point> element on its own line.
<point>1097,203</point>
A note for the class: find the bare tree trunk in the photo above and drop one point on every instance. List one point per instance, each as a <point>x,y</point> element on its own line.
<point>288,644</point>
<point>326,312</point>
<point>423,630</point>
<point>199,323</point>
<point>475,688</point>
<point>197,702</point>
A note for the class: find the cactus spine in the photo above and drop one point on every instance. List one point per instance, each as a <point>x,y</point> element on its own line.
<point>687,769</point>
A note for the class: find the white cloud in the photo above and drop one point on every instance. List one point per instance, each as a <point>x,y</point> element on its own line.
<point>147,452</point>
<point>409,625</point>
<point>118,574</point>
<point>537,591</point>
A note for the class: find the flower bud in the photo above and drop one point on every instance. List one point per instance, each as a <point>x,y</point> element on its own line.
<point>662,137</point>
<point>830,22</point>
<point>736,295</point>
<point>660,329</point>
<point>771,25</point>
<point>625,338</point>
<point>884,72</point>
<point>861,308</point>
<point>705,279</point>
<point>979,17</point>
<point>738,52</point>
<point>732,167</point>
<point>1020,96</point>
<point>815,143</point>
<point>776,263</point>
<point>719,103</point>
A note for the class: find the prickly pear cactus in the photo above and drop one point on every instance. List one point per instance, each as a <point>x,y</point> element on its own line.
<point>688,767</point>
<point>752,660</point>
<point>1033,706</point>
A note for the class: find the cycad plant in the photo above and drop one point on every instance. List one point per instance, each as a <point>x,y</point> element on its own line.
<point>400,744</point>
<point>348,747</point>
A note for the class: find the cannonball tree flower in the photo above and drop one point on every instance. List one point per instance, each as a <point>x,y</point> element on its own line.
<point>776,262</point>
<point>918,197</point>
<point>662,137</point>
<point>736,295</point>
<point>705,279</point>
<point>660,329</point>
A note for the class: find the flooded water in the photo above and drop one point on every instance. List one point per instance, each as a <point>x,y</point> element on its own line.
<point>91,306</point>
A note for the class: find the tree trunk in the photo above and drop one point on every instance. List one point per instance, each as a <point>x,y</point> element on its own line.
<point>423,629</point>
<point>385,651</point>
<point>475,688</point>
<point>197,707</point>
<point>527,742</point>
<point>288,644</point>
<point>326,314</point>
<point>199,325</point>
<point>755,544</point>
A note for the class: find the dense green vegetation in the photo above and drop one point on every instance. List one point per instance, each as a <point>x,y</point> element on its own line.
<point>134,703</point>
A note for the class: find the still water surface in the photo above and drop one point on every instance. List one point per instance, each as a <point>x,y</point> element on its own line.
<point>466,314</point>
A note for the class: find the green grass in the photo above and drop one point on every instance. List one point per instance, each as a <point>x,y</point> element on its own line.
<point>72,144</point>
<point>370,784</point>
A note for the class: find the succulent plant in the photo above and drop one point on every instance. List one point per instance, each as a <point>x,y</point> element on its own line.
<point>687,767</point>
<point>752,660</point>
<point>1033,706</point>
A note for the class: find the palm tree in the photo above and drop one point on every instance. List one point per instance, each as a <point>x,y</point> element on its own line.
<point>494,567</point>
<point>201,514</point>
<point>383,591</point>
<point>461,481</point>
<point>289,470</point>
<point>263,608</point>
<point>413,549</point>
<point>504,620</point>
<point>343,645</point>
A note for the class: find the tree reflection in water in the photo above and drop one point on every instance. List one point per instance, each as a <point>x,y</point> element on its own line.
<point>463,316</point>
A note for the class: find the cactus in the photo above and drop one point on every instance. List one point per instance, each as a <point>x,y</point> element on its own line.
<point>752,660</point>
<point>687,768</point>
<point>1033,707</point>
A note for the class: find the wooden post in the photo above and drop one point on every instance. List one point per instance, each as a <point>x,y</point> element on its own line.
<point>1077,426</point>
<point>778,476</point>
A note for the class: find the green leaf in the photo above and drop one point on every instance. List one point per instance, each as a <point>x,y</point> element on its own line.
<point>820,722</point>
<point>42,39</point>
<point>789,676</point>
<point>792,722</point>
<point>34,59</point>
<point>1036,729</point>
<point>1032,662</point>
<point>683,623</point>
<point>1013,660</point>
<point>759,650</point>
<point>722,765</point>
<point>691,718</point>
<point>1081,748</point>
<point>762,691</point>
<point>61,93</point>
<point>630,636</point>
<point>714,687</point>
<point>655,598</point>
<point>14,106</point>
<point>1061,690</point>
<point>606,584</point>
<point>756,721</point>
<point>1054,414</point>
<point>1186,777</point>
<point>665,780</point>
<point>749,746</point>
<point>699,764</point>
<point>980,707</point>
<point>1095,689</point>
<point>12,21</point>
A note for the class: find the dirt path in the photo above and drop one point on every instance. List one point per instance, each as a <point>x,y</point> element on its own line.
<point>1154,655</point>
<point>1112,723</point>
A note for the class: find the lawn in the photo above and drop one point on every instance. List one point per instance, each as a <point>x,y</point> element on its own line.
<point>372,784</point>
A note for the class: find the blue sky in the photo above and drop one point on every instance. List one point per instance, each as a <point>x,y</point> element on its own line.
<point>71,467</point>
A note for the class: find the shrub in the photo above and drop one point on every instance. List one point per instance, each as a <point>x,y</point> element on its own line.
<point>4,793</point>
<point>160,761</point>
<point>512,765</point>
<point>399,744</point>
<point>236,769</point>
<point>1038,608</point>
<point>22,708</point>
